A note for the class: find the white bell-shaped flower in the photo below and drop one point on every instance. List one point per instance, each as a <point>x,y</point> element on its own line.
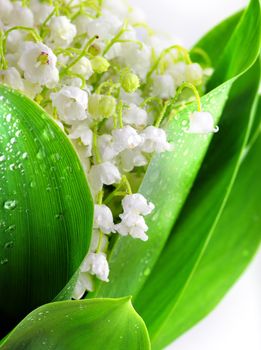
<point>96,264</point>
<point>135,116</point>
<point>163,86</point>
<point>136,203</point>
<point>125,138</point>
<point>12,77</point>
<point>137,58</point>
<point>105,26</point>
<point>83,132</point>
<point>133,225</point>
<point>83,153</point>
<point>6,8</point>
<point>103,219</point>
<point>71,103</point>
<point>21,16</point>
<point>103,174</point>
<point>155,140</point>
<point>40,10</point>
<point>62,31</point>
<point>194,74</point>
<point>201,123</point>
<point>84,283</point>
<point>178,72</point>
<point>38,63</point>
<point>83,67</point>
<point>131,158</point>
<point>106,147</point>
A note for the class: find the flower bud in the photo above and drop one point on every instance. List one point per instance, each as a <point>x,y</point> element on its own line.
<point>101,106</point>
<point>107,106</point>
<point>130,82</point>
<point>100,64</point>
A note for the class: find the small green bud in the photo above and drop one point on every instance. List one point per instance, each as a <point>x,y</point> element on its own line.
<point>107,106</point>
<point>130,82</point>
<point>101,106</point>
<point>100,64</point>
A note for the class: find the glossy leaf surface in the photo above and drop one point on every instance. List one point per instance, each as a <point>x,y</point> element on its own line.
<point>46,208</point>
<point>87,324</point>
<point>213,240</point>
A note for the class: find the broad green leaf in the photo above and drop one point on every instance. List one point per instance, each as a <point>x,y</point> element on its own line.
<point>96,324</point>
<point>216,234</point>
<point>256,123</point>
<point>246,38</point>
<point>167,183</point>
<point>46,208</point>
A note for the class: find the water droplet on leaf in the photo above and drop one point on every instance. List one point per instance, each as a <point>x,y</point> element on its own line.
<point>10,204</point>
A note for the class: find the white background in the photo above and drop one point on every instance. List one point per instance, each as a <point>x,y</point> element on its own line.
<point>236,323</point>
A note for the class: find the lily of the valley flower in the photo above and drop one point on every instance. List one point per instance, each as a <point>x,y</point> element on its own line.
<point>135,206</point>
<point>155,140</point>
<point>137,203</point>
<point>201,123</point>
<point>62,31</point>
<point>103,174</point>
<point>96,264</point>
<point>38,63</point>
<point>103,219</point>
<point>71,103</point>
<point>135,116</point>
<point>83,132</point>
<point>125,138</point>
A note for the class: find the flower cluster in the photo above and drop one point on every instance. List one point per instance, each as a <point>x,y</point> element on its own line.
<point>111,84</point>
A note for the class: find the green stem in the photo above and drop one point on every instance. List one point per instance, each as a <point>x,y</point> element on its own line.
<point>119,113</point>
<point>181,49</point>
<point>124,183</point>
<point>95,146</point>
<point>100,197</point>
<point>100,241</point>
<point>104,85</point>
<point>170,103</point>
<point>151,99</point>
<point>76,75</point>
<point>83,53</point>
<point>203,54</point>
<point>3,62</point>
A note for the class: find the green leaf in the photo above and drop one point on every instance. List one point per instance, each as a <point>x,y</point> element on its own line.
<point>216,235</point>
<point>167,183</point>
<point>46,208</point>
<point>87,324</point>
<point>246,38</point>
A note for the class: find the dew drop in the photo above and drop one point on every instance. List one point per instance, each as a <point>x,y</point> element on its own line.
<point>10,228</point>
<point>147,271</point>
<point>25,155</point>
<point>9,245</point>
<point>3,261</point>
<point>59,216</point>
<point>10,204</point>
<point>40,154</point>
<point>8,118</point>
<point>32,184</point>
<point>18,133</point>
<point>12,167</point>
<point>2,158</point>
